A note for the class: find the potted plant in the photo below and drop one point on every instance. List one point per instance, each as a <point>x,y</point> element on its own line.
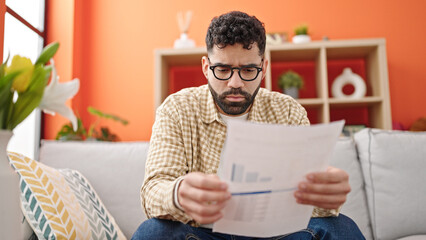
<point>301,34</point>
<point>290,82</point>
<point>67,133</point>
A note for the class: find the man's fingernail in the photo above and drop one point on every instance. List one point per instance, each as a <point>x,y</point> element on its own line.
<point>224,186</point>
<point>303,186</point>
<point>311,177</point>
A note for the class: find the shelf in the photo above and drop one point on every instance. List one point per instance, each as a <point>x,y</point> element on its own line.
<point>354,102</point>
<point>319,62</point>
<point>310,102</point>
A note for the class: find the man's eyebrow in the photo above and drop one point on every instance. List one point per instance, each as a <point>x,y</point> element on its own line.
<point>227,65</point>
<point>250,65</point>
<point>221,64</point>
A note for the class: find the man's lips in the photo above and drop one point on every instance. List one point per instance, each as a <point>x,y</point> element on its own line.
<point>235,98</point>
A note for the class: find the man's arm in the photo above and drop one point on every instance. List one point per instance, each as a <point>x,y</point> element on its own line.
<point>170,190</point>
<point>166,165</point>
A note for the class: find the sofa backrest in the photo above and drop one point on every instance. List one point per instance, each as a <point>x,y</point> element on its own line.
<point>115,170</point>
<point>393,165</point>
<point>345,157</point>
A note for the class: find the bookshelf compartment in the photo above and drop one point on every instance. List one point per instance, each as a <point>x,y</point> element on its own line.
<point>314,114</point>
<point>185,76</point>
<point>352,115</point>
<point>335,68</point>
<point>306,69</point>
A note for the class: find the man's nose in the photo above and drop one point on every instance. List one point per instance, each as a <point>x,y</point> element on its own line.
<point>235,81</point>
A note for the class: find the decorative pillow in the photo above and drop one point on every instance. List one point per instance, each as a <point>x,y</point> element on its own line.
<point>345,157</point>
<point>394,163</point>
<point>117,182</point>
<point>61,204</point>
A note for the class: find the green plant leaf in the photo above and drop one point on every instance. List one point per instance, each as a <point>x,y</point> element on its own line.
<point>3,65</point>
<point>100,114</point>
<point>6,83</point>
<point>47,53</point>
<point>67,132</point>
<point>30,99</point>
<point>6,98</point>
<point>290,79</point>
<point>301,30</point>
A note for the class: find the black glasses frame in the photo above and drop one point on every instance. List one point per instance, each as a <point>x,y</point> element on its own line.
<point>259,69</point>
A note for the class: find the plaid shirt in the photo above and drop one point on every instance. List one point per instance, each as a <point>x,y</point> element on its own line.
<point>188,136</point>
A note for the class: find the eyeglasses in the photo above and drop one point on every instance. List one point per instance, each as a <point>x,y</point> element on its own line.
<point>246,73</point>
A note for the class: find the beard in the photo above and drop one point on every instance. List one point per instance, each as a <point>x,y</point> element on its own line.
<point>233,108</point>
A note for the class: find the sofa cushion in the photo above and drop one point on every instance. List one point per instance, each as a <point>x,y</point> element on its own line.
<point>61,204</point>
<point>115,170</point>
<point>345,157</point>
<point>393,163</point>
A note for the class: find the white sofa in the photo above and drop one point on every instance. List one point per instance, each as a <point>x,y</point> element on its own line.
<point>386,171</point>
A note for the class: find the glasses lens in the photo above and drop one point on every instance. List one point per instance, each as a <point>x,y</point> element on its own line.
<point>248,73</point>
<point>222,72</point>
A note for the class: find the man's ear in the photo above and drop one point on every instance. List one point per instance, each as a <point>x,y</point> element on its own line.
<point>205,66</point>
<point>264,68</point>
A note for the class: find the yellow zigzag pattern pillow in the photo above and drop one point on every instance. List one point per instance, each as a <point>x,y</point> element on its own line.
<point>61,204</point>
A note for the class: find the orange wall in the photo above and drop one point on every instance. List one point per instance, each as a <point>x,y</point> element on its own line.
<point>61,14</point>
<point>114,41</point>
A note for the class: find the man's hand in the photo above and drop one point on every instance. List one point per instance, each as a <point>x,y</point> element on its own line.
<point>203,196</point>
<point>324,189</point>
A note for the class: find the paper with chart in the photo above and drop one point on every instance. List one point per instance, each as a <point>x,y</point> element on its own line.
<point>263,163</point>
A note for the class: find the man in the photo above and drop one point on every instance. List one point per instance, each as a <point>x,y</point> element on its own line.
<point>181,194</point>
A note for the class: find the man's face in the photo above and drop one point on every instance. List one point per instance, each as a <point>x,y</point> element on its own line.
<point>234,96</point>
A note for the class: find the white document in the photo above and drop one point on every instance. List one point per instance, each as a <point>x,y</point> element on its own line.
<point>263,164</point>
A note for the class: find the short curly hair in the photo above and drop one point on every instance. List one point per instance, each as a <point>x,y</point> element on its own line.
<point>236,27</point>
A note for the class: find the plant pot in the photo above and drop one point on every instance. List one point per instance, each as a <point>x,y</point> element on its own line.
<point>292,92</point>
<point>301,38</point>
<point>10,210</point>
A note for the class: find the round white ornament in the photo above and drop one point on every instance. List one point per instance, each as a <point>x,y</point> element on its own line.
<point>348,77</point>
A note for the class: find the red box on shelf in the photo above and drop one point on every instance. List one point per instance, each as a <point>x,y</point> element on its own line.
<point>181,77</point>
<point>352,116</point>
<point>313,115</point>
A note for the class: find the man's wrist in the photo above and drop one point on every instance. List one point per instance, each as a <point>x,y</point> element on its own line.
<point>175,195</point>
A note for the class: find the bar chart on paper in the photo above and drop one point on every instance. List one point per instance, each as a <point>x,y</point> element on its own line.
<point>239,175</point>
<point>256,203</point>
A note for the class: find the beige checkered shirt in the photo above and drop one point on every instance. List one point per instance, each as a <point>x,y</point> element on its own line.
<point>188,136</point>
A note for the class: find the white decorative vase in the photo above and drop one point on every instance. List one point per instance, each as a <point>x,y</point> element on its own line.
<point>348,77</point>
<point>303,38</point>
<point>184,42</point>
<point>10,210</point>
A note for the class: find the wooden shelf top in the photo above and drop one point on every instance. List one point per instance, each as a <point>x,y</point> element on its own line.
<point>286,46</point>
<point>311,102</point>
<point>365,101</point>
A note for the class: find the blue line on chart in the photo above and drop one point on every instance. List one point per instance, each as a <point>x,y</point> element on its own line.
<point>264,192</point>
